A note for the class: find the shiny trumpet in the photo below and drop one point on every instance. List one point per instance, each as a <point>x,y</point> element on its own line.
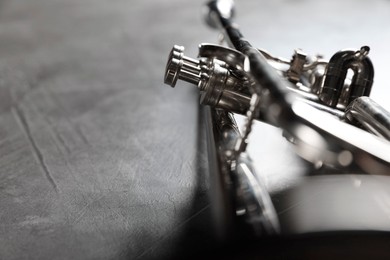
<point>323,108</point>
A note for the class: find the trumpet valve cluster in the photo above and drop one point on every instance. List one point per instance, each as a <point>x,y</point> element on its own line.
<point>221,74</point>
<point>218,73</point>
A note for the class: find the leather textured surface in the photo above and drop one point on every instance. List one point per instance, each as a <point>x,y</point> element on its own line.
<point>97,158</point>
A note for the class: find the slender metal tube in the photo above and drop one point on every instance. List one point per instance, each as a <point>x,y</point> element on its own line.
<point>370,115</point>
<point>239,198</point>
<point>261,71</point>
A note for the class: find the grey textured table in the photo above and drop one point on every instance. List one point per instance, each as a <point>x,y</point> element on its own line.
<point>97,158</point>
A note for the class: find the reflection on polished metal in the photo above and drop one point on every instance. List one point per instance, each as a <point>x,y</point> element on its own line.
<point>218,74</point>
<point>336,73</point>
<point>181,67</point>
<point>370,115</point>
<point>322,107</point>
<point>239,198</point>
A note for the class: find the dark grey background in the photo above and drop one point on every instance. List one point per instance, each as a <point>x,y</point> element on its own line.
<point>98,159</point>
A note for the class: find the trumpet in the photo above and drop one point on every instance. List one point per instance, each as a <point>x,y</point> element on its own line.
<point>322,106</point>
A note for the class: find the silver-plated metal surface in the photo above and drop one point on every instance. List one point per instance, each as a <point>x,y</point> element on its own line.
<point>240,199</point>
<point>228,82</point>
<point>181,67</point>
<point>320,106</point>
<point>252,199</point>
<point>337,69</point>
<point>370,115</point>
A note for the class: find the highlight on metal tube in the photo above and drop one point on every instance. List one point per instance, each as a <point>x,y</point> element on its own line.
<point>337,69</point>
<point>216,8</point>
<point>370,115</point>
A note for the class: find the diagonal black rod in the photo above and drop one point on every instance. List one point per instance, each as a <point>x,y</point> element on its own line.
<point>221,16</point>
